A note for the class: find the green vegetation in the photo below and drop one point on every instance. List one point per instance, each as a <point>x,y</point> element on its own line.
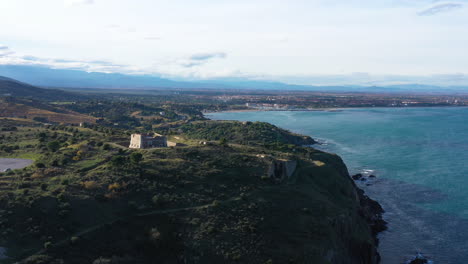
<point>90,199</point>
<point>247,133</point>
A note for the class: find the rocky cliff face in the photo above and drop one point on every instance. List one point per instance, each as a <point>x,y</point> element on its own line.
<point>231,214</point>
<point>352,246</point>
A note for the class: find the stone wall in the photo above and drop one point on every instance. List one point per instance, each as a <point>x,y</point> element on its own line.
<point>142,141</point>
<point>282,169</point>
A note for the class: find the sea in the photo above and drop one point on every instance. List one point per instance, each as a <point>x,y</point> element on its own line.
<point>420,159</point>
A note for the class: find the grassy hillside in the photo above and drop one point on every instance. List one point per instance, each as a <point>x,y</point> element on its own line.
<point>88,200</point>
<point>10,87</point>
<point>244,133</point>
<point>34,110</point>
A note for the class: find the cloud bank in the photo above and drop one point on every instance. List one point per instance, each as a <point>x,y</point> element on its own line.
<point>201,58</point>
<point>5,51</point>
<point>208,56</point>
<point>440,8</point>
<point>184,67</point>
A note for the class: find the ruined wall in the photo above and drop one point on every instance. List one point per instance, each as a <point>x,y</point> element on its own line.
<point>135,141</point>
<point>141,141</point>
<point>282,169</point>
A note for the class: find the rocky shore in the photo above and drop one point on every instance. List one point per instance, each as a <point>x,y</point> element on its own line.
<point>372,211</point>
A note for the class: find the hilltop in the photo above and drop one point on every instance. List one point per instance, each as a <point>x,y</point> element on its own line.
<point>226,201</point>
<point>14,88</point>
<point>21,100</point>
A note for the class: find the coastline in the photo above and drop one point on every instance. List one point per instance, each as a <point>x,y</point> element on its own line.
<point>335,109</point>
<point>277,110</point>
<point>369,209</point>
<point>418,201</point>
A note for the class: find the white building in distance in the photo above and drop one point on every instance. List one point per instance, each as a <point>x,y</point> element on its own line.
<point>143,141</point>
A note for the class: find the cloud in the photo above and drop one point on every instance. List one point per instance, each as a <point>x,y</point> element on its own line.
<point>207,56</point>
<point>5,51</point>
<point>199,59</point>
<point>131,29</point>
<point>8,57</point>
<point>79,2</point>
<point>440,8</point>
<point>184,69</point>
<point>113,26</point>
<point>152,38</point>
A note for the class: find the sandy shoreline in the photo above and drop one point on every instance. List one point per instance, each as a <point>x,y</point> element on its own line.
<point>277,110</point>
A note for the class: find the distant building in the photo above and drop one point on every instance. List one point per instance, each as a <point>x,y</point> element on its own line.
<point>142,141</point>
<point>282,169</point>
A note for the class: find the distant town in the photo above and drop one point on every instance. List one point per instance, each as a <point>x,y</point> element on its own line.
<point>303,100</point>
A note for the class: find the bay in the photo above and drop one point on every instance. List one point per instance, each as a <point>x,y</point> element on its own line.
<point>420,158</point>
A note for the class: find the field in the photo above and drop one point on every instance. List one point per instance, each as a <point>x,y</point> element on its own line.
<point>28,112</point>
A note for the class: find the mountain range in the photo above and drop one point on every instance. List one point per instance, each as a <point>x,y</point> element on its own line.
<point>67,78</point>
<point>14,88</point>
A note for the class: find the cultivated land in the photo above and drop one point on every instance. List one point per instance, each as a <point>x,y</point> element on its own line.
<point>89,199</point>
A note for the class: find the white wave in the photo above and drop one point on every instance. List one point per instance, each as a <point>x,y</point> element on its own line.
<point>339,146</point>
<point>367,172</point>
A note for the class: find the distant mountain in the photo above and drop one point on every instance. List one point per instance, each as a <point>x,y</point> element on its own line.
<point>66,78</point>
<point>14,88</point>
<point>47,77</point>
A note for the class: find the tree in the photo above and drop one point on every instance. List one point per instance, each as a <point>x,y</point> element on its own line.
<point>136,157</point>
<point>53,146</point>
<point>42,136</point>
<point>118,161</point>
<point>223,141</point>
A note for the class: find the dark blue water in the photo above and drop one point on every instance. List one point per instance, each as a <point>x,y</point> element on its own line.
<point>420,157</point>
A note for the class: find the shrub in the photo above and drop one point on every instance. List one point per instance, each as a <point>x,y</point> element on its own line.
<point>65,182</point>
<point>48,245</point>
<point>118,161</point>
<point>114,186</point>
<point>90,185</point>
<point>53,146</point>
<point>155,234</point>
<point>74,239</point>
<point>136,157</point>
<point>157,200</point>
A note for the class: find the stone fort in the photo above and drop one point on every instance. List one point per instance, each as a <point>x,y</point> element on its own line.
<point>142,141</point>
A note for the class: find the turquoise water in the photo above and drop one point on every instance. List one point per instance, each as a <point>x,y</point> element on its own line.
<point>420,157</point>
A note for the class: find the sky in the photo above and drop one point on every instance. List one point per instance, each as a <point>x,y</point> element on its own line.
<point>294,41</point>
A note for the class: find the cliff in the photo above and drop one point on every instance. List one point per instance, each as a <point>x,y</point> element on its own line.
<point>216,203</point>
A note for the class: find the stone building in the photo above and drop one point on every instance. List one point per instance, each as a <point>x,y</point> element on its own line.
<point>142,141</point>
<point>282,169</point>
